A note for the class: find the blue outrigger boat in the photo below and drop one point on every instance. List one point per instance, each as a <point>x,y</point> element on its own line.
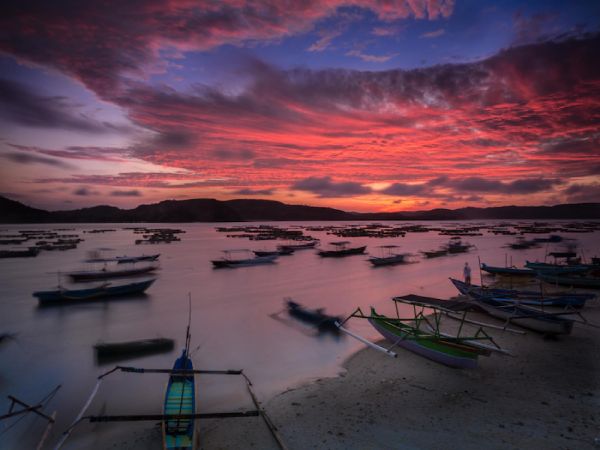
<point>103,291</point>
<point>180,400</point>
<point>529,298</point>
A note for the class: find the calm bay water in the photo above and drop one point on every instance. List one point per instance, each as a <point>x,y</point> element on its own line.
<point>232,325</point>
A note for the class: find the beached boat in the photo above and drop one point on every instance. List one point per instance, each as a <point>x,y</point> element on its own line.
<point>91,275</point>
<point>341,249</point>
<point>179,407</point>
<point>524,297</point>
<point>315,317</point>
<point>558,269</point>
<point>229,261</point>
<point>422,335</point>
<point>523,316</point>
<point>588,282</point>
<point>180,400</point>
<point>457,246</point>
<point>511,271</point>
<point>114,350</point>
<point>103,291</point>
<point>388,257</point>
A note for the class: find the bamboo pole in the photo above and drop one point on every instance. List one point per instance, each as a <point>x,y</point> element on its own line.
<point>366,341</point>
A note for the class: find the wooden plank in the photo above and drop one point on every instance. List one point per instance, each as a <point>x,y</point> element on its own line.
<point>171,417</point>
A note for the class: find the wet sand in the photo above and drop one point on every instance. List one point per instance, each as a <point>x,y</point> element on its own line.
<point>546,397</point>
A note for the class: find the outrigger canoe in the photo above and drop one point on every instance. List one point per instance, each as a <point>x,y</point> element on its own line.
<point>180,399</point>
<point>100,292</point>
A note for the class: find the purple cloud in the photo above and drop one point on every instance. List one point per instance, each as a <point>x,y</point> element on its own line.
<point>326,187</point>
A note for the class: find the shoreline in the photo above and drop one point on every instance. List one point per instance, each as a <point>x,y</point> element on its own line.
<point>546,397</point>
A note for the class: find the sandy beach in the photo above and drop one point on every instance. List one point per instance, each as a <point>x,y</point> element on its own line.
<point>545,397</point>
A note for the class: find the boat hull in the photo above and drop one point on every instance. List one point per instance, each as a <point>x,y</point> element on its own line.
<point>387,260</point>
<point>180,399</point>
<point>511,271</point>
<point>430,349</point>
<point>106,274</point>
<point>342,253</point>
<point>99,293</point>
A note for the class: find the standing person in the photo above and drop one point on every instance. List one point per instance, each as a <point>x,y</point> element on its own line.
<point>467,273</point>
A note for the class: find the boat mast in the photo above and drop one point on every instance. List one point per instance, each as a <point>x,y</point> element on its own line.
<point>187,333</point>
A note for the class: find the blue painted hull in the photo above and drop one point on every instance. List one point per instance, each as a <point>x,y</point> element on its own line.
<point>180,399</point>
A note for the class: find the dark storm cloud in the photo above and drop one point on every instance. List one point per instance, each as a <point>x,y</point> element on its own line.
<point>27,158</point>
<point>326,187</point>
<point>21,106</point>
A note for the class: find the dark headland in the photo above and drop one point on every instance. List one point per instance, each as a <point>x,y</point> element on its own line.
<point>211,210</point>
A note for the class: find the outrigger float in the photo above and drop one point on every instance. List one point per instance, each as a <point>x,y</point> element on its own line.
<point>422,333</point>
<point>179,410</point>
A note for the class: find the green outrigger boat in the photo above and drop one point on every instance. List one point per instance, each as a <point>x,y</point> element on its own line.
<point>422,333</point>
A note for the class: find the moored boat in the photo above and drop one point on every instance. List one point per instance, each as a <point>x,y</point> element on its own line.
<point>298,246</point>
<point>103,291</point>
<point>316,317</point>
<point>588,282</point>
<point>512,271</point>
<point>229,261</point>
<point>341,249</point>
<point>90,275</point>
<point>388,257</point>
<point>114,350</point>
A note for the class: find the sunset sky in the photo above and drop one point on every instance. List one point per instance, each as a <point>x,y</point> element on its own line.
<point>362,105</point>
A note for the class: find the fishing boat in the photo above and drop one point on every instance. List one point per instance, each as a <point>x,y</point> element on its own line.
<point>20,253</point>
<point>229,261</point>
<point>341,249</point>
<point>511,271</point>
<point>435,253</point>
<point>524,297</point>
<point>527,317</point>
<point>180,400</point>
<point>280,251</point>
<point>91,275</point>
<point>457,246</point>
<point>299,246</point>
<point>388,257</point>
<point>558,269</point>
<point>588,282</point>
<point>422,335</point>
<point>179,406</point>
<point>134,259</point>
<point>315,317</point>
<point>103,291</point>
<point>118,350</point>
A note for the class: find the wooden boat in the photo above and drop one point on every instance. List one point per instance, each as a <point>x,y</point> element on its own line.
<point>435,253</point>
<point>315,317</point>
<point>457,246</point>
<point>103,291</point>
<point>388,257</point>
<point>282,251</point>
<point>512,271</point>
<point>134,259</point>
<point>298,246</point>
<point>558,269</point>
<point>229,261</point>
<point>523,316</point>
<point>588,282</point>
<point>341,249</point>
<point>179,407</point>
<point>90,275</point>
<point>180,399</point>
<point>523,297</point>
<point>422,335</point>
<point>20,253</point>
<point>118,350</point>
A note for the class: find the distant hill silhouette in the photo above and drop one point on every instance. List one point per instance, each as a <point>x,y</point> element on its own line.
<point>210,210</point>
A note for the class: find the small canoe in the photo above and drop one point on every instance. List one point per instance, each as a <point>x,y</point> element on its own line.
<point>134,259</point>
<point>344,251</point>
<point>435,253</point>
<point>572,281</point>
<point>180,399</point>
<point>388,260</point>
<point>228,262</point>
<point>558,269</point>
<point>96,293</point>
<point>113,350</point>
